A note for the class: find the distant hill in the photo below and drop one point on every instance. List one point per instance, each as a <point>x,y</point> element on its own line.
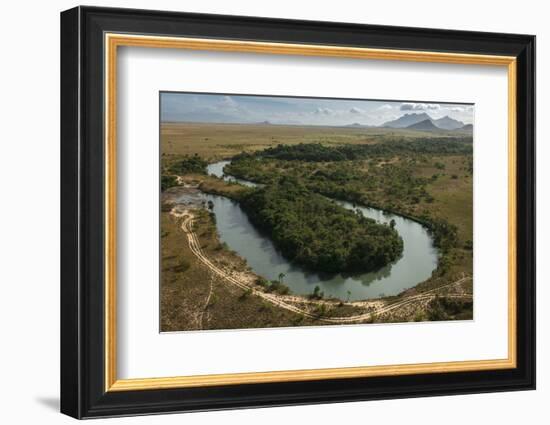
<point>467,127</point>
<point>407,120</point>
<point>357,125</point>
<point>426,125</point>
<point>448,123</point>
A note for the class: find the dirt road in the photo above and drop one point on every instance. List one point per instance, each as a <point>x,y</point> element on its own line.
<point>277,300</point>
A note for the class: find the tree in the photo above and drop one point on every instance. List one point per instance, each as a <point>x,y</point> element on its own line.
<point>307,229</point>
<point>167,181</point>
<point>316,291</point>
<point>321,309</point>
<point>189,164</point>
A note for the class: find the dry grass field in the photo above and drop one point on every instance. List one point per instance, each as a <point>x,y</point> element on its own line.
<point>194,298</point>
<point>219,141</point>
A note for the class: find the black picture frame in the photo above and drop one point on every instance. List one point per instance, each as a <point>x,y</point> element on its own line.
<point>82,219</point>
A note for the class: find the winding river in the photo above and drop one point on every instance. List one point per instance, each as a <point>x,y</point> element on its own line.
<point>416,264</point>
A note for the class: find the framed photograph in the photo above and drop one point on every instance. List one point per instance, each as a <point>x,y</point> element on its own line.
<point>261,212</point>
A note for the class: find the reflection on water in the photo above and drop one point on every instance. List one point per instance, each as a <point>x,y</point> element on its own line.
<point>416,264</point>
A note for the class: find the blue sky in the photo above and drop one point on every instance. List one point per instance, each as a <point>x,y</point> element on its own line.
<point>216,108</point>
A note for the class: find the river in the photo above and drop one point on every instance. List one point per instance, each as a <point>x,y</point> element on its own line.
<point>415,265</point>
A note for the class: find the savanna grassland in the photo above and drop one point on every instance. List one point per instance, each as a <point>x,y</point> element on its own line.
<point>218,141</point>
<point>425,176</point>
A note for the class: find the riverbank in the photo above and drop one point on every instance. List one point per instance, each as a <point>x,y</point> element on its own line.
<point>197,265</point>
<point>212,270</point>
<point>433,188</point>
<point>416,264</point>
<point>192,297</point>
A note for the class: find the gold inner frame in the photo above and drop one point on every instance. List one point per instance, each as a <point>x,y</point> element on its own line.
<point>113,41</point>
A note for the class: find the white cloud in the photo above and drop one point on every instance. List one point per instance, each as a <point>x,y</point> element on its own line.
<point>225,103</point>
<point>419,106</point>
<point>324,111</point>
<point>235,108</point>
<point>228,101</point>
<point>411,107</point>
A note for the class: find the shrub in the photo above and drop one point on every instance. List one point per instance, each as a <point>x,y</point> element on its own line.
<point>182,266</point>
<point>188,165</point>
<point>167,181</point>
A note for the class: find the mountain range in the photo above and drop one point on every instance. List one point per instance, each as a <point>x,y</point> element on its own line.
<point>414,121</point>
<point>426,125</point>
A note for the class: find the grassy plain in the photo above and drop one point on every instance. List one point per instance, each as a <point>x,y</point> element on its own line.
<point>219,141</point>
<point>190,296</point>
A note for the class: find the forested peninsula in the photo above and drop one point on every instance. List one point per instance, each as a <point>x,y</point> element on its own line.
<point>318,233</point>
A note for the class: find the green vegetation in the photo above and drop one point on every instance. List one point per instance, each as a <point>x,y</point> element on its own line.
<point>308,229</point>
<point>317,294</point>
<point>168,181</point>
<point>442,308</point>
<point>189,165</point>
<point>278,287</point>
<point>316,152</point>
<point>216,186</point>
<point>424,181</point>
<point>391,187</point>
<point>427,177</point>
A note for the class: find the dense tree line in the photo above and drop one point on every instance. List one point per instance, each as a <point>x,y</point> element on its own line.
<point>168,181</point>
<point>188,165</point>
<point>316,152</point>
<point>444,233</point>
<point>318,233</point>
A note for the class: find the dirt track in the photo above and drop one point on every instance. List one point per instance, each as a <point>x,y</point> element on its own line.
<point>279,301</point>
